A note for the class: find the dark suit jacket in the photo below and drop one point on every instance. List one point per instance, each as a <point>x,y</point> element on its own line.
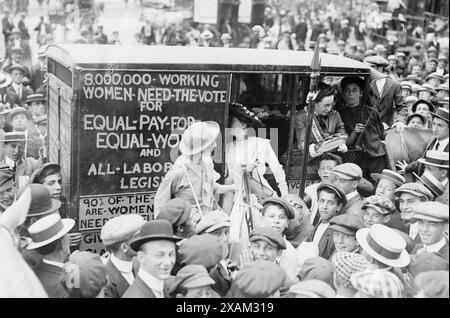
<point>36,77</point>
<point>353,206</point>
<point>415,166</point>
<point>6,26</point>
<point>25,168</point>
<point>13,98</point>
<point>138,290</point>
<point>390,101</point>
<point>117,284</point>
<point>326,244</point>
<point>49,276</point>
<point>443,252</point>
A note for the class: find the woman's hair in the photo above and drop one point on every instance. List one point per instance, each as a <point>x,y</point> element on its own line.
<point>325,90</point>
<point>240,117</point>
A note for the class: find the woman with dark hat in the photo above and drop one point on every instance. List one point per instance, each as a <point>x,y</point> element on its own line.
<point>244,148</point>
<point>424,108</point>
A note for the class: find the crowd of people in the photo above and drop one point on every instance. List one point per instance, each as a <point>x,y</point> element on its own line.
<point>363,230</point>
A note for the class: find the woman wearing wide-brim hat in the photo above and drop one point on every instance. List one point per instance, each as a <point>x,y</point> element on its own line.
<point>192,177</point>
<point>244,148</point>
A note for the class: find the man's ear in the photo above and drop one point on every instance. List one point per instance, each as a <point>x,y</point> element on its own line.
<point>387,218</point>
<point>280,251</point>
<point>178,295</point>
<point>340,206</point>
<point>140,257</point>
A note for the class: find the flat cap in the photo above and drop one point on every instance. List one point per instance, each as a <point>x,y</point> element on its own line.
<point>341,195</point>
<point>416,189</point>
<point>426,262</point>
<point>176,211</point>
<point>347,223</point>
<point>290,213</point>
<point>348,171</point>
<point>430,211</point>
<point>345,264</point>
<point>212,221</point>
<point>378,283</point>
<point>205,249</point>
<point>269,235</point>
<point>121,228</point>
<point>260,279</point>
<point>311,288</point>
<point>380,204</point>
<point>317,268</point>
<point>376,60</point>
<point>191,276</point>
<point>434,284</point>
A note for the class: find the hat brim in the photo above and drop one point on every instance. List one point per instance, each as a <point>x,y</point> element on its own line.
<point>257,237</point>
<point>194,151</point>
<point>56,204</point>
<point>439,116</point>
<point>200,282</point>
<point>422,160</point>
<point>402,261</point>
<point>427,218</point>
<point>433,191</point>
<point>68,224</point>
<point>7,81</point>
<point>290,213</point>
<point>217,226</point>
<point>136,243</point>
<point>342,229</point>
<point>13,113</point>
<point>378,176</point>
<point>35,100</point>
<point>41,169</point>
<point>343,175</point>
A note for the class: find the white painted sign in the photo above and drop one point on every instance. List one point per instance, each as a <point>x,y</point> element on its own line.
<point>205,11</point>
<point>245,11</point>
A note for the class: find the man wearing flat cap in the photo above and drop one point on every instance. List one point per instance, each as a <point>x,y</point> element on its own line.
<point>386,94</point>
<point>115,235</point>
<point>377,210</point>
<point>178,212</point>
<point>7,189</point>
<point>331,201</point>
<point>406,197</point>
<point>17,92</point>
<point>345,227</point>
<point>192,281</point>
<point>345,264</point>
<point>432,223</point>
<point>155,247</point>
<point>346,179</point>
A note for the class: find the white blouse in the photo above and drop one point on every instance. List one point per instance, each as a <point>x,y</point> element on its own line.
<point>254,150</point>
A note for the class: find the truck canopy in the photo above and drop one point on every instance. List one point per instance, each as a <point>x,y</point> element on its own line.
<point>236,60</point>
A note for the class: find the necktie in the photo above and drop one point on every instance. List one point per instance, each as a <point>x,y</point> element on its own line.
<point>437,146</point>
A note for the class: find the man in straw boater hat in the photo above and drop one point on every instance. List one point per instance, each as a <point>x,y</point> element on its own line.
<point>14,155</point>
<point>440,142</point>
<point>116,235</point>
<point>437,164</point>
<point>155,247</point>
<point>20,120</point>
<point>192,177</point>
<point>383,247</point>
<point>49,239</point>
<point>432,223</point>
<point>434,185</point>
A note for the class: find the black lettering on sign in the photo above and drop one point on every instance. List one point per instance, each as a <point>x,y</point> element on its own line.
<point>131,127</point>
<point>96,211</point>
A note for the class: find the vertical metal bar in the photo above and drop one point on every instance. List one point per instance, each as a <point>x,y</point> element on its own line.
<point>293,89</point>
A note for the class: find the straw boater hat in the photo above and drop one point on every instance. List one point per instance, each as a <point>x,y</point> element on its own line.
<point>406,84</point>
<point>35,98</point>
<point>48,229</point>
<point>18,110</point>
<point>434,75</point>
<point>207,35</point>
<point>427,87</point>
<point>393,176</point>
<point>16,67</point>
<point>433,184</point>
<point>384,244</point>
<point>14,136</point>
<point>442,87</point>
<point>198,137</point>
<point>441,113</point>
<point>435,158</point>
<point>5,80</point>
